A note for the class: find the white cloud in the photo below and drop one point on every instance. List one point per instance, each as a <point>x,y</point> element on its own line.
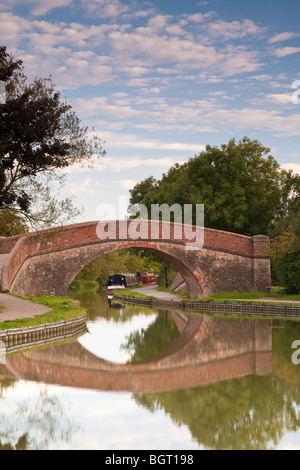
<point>192,115</point>
<point>295,167</point>
<point>284,51</point>
<point>235,29</point>
<point>162,44</point>
<point>166,52</point>
<point>13,28</point>
<point>127,184</point>
<point>155,90</point>
<point>280,98</point>
<point>119,164</point>
<point>105,8</point>
<point>282,37</point>
<point>158,22</point>
<point>132,141</point>
<point>135,71</point>
<point>139,82</point>
<point>85,188</point>
<point>262,77</point>
<point>200,17</point>
<point>37,7</point>
<point>156,50</point>
<point>256,119</point>
<point>175,30</point>
<point>41,7</point>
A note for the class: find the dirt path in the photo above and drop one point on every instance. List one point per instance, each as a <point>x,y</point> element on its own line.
<point>152,290</point>
<point>13,308</point>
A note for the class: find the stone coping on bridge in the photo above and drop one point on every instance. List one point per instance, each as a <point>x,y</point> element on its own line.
<point>236,241</point>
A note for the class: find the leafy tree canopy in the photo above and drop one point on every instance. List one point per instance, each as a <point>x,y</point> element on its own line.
<point>11,224</point>
<point>39,136</point>
<point>243,188</point>
<point>285,256</point>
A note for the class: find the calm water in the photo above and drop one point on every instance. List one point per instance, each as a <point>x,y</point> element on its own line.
<point>146,379</point>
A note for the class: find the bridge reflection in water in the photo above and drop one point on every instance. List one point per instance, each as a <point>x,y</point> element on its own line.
<point>208,350</point>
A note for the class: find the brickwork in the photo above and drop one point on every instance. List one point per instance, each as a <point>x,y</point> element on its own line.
<point>46,262</point>
<point>7,244</point>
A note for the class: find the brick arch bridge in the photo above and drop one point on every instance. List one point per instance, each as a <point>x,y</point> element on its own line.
<point>47,261</point>
<point>208,350</point>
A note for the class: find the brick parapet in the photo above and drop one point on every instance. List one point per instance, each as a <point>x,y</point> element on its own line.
<point>7,243</point>
<point>87,232</point>
<point>261,246</point>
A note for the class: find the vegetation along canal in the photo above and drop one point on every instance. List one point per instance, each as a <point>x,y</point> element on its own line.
<point>140,378</point>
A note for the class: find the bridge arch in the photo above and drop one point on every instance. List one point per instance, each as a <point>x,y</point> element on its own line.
<point>46,262</point>
<point>163,250</point>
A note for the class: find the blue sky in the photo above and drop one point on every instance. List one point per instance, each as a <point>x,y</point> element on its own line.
<point>158,80</point>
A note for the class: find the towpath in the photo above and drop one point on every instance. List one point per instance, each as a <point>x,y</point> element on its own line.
<point>152,290</point>
<point>13,308</point>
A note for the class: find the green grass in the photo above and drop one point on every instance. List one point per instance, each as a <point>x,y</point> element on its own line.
<point>248,297</point>
<point>275,294</point>
<point>278,293</point>
<point>62,309</point>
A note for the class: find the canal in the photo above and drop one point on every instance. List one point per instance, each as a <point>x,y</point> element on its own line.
<point>140,378</point>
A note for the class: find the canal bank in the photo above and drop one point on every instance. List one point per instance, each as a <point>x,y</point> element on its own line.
<point>252,307</point>
<point>14,308</point>
<point>25,323</point>
<point>16,339</point>
<point>61,388</point>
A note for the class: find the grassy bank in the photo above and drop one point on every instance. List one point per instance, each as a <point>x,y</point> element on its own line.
<point>253,297</point>
<point>276,294</point>
<point>63,308</point>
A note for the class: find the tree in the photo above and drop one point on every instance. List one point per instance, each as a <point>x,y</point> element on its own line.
<point>242,187</point>
<point>157,337</point>
<point>39,136</point>
<point>11,224</point>
<point>285,256</point>
<point>127,260</point>
<point>140,193</point>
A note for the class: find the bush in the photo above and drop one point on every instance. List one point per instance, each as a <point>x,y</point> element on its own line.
<point>83,284</point>
<point>285,260</point>
<point>287,271</point>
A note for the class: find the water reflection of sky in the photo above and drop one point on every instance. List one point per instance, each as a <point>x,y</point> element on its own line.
<point>252,411</point>
<point>95,420</point>
<point>106,336</point>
